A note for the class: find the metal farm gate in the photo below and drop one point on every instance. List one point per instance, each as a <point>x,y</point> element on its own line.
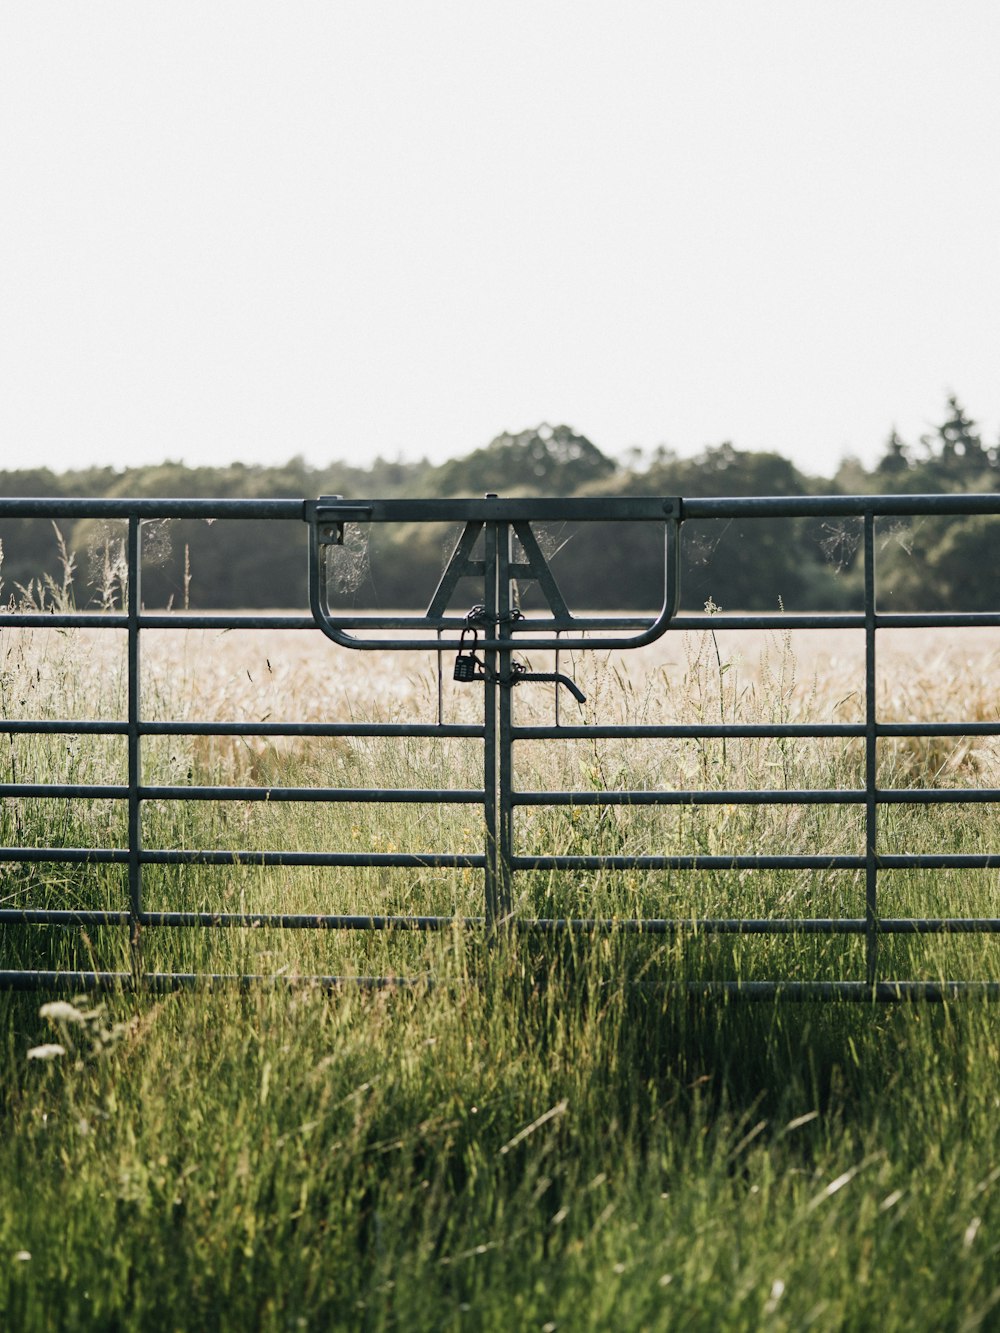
<point>498,551</point>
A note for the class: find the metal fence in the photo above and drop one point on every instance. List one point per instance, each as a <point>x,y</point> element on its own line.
<point>499,550</point>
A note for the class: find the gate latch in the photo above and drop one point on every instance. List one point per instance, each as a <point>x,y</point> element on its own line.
<point>469,667</point>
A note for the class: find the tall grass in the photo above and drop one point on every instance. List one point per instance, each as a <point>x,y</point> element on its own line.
<point>524,1144</point>
<point>538,1134</point>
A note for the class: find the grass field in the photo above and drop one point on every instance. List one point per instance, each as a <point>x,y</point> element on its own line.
<point>536,1135</point>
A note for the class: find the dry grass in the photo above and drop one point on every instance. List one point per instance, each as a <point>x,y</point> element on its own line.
<point>270,675</point>
<point>535,1141</point>
<point>709,678</point>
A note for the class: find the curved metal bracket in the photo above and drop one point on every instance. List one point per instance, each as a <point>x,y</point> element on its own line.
<point>327,518</point>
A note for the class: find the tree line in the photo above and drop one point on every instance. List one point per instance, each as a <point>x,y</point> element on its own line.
<point>796,564</point>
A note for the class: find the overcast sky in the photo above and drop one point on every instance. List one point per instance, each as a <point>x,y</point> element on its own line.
<point>346,227</point>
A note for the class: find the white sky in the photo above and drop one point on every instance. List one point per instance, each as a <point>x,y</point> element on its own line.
<point>244,230</point>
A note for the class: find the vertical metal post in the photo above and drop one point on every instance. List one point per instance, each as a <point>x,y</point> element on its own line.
<point>492,878</point>
<point>871,762</point>
<point>505,895</point>
<point>440,684</point>
<point>134,756</point>
<point>555,687</point>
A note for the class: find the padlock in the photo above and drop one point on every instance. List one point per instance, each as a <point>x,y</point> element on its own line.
<point>466,663</point>
<point>465,667</point>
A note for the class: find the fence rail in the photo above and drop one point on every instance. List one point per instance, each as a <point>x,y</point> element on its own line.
<point>498,549</point>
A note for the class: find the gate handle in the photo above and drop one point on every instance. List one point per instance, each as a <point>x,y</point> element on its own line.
<point>556,676</point>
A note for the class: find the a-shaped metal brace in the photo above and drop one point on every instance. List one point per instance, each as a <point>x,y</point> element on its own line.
<point>494,528</point>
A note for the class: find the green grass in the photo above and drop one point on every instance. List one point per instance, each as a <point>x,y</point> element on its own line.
<point>541,1134</point>
<point>524,1144</point>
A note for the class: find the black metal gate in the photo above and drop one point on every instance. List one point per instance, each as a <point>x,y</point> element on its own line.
<point>498,549</point>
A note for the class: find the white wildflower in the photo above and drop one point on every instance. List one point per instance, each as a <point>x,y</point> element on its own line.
<point>48,1051</point>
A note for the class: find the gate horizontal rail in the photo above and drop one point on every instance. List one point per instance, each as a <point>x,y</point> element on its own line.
<point>499,549</point>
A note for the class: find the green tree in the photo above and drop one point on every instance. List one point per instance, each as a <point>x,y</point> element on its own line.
<point>958,444</point>
<point>751,564</point>
<point>546,460</point>
<point>896,462</point>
